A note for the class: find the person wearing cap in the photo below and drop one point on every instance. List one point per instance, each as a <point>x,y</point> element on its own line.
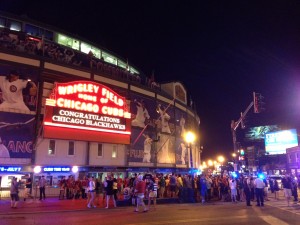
<point>139,191</point>
<point>12,87</point>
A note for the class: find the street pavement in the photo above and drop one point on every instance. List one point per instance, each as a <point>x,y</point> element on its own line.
<point>31,206</point>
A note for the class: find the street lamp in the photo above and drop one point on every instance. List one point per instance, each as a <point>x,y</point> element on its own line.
<point>210,162</point>
<point>221,159</point>
<point>189,138</point>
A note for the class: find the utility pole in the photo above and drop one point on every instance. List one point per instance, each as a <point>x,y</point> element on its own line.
<point>235,125</point>
<point>258,107</point>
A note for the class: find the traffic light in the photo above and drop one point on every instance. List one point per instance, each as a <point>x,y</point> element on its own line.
<point>257,102</point>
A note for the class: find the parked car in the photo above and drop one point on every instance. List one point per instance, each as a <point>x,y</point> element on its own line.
<point>278,178</point>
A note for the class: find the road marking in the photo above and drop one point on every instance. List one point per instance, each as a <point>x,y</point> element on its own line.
<point>284,207</point>
<point>273,220</point>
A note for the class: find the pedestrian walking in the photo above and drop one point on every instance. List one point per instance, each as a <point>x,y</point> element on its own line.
<point>259,191</point>
<point>139,191</point>
<point>91,191</point>
<point>247,190</point>
<point>28,187</point>
<point>14,193</point>
<point>287,188</point>
<point>42,185</point>
<point>110,191</point>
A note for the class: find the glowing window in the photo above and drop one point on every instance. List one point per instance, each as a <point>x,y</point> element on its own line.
<point>67,41</point>
<point>14,25</point>
<point>133,70</point>
<point>2,22</point>
<point>84,47</point>
<point>51,147</point>
<point>114,152</point>
<point>109,58</point>
<point>122,64</point>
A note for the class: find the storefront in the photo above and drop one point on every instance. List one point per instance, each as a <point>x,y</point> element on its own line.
<point>6,175</point>
<point>53,175</point>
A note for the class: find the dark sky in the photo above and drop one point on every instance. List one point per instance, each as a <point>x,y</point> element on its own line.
<point>222,51</point>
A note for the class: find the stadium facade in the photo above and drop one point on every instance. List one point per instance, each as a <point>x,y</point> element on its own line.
<point>70,107</point>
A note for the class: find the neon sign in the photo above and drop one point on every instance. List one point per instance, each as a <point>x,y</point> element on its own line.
<point>90,97</point>
<point>10,169</point>
<point>56,169</point>
<point>86,106</point>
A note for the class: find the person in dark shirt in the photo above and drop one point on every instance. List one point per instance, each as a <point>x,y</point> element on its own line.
<point>287,188</point>
<point>109,191</point>
<point>28,187</point>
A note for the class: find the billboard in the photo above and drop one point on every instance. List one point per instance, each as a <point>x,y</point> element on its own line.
<point>18,101</point>
<point>259,133</point>
<point>278,142</point>
<point>85,110</point>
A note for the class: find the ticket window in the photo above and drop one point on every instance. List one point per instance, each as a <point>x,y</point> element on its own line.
<point>36,180</point>
<point>49,180</point>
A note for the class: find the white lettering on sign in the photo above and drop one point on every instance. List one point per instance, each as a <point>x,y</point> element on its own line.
<point>88,119</point>
<point>112,97</point>
<point>78,88</point>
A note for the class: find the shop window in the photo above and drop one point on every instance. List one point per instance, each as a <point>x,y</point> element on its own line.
<point>100,150</point>
<point>114,152</point>
<point>71,150</point>
<point>51,148</point>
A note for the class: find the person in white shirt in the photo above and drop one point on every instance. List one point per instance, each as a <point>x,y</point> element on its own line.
<point>147,148</point>
<point>91,190</point>
<point>259,191</point>
<point>141,114</point>
<point>183,152</point>
<point>165,117</point>
<point>12,87</point>
<point>4,153</point>
<point>233,186</point>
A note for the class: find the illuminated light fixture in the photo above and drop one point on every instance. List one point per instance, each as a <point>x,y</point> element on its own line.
<point>50,102</point>
<point>189,137</point>
<point>37,169</point>
<point>34,39</point>
<point>75,169</point>
<point>86,128</point>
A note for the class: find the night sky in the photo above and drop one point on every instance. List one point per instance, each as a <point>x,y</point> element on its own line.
<point>221,51</point>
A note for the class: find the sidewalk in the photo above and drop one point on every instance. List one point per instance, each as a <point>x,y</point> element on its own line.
<point>49,205</point>
<point>53,204</point>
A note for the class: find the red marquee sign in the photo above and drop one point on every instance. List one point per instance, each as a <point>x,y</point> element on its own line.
<point>79,110</point>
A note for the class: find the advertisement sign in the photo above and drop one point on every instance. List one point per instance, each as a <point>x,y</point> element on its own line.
<point>16,135</point>
<point>278,142</point>
<point>18,101</point>
<point>79,110</point>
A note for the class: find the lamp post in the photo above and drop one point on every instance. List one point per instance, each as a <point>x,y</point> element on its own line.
<point>189,138</point>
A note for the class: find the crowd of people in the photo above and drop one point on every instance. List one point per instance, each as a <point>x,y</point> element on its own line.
<point>203,188</point>
<point>139,187</point>
<point>21,42</point>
